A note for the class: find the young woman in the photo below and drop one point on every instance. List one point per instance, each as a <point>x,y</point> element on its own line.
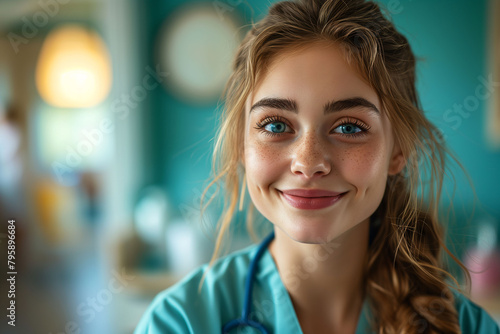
<point>322,125</point>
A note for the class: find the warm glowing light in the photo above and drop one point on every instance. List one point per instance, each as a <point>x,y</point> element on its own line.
<point>73,69</point>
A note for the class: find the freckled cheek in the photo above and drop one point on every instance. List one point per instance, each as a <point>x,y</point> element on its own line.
<point>264,164</point>
<point>363,167</point>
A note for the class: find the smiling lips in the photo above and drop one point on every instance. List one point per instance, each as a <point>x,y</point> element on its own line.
<point>310,199</point>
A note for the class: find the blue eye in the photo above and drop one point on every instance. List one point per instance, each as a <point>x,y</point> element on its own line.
<point>273,126</point>
<point>347,129</point>
<point>276,127</point>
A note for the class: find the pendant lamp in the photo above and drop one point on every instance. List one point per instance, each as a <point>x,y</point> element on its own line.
<point>73,68</point>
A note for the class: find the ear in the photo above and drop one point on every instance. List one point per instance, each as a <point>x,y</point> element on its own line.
<point>397,162</point>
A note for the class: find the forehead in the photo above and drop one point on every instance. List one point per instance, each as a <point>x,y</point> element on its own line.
<point>316,72</point>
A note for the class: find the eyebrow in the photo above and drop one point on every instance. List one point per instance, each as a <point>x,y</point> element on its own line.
<point>329,107</point>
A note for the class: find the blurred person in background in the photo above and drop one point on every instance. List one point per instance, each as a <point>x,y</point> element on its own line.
<point>11,168</point>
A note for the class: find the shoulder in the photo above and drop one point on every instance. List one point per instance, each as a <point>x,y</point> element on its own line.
<point>473,318</point>
<point>185,308</point>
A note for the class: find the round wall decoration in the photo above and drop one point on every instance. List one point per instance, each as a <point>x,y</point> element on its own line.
<point>196,46</point>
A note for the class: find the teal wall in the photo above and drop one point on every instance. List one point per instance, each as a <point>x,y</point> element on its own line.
<point>449,36</point>
<point>179,135</point>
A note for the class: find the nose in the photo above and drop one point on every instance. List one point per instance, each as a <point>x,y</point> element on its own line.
<point>311,157</point>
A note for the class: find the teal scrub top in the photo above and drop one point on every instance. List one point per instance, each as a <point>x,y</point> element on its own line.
<point>182,309</point>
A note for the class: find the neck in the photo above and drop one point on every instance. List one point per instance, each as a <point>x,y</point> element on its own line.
<point>324,278</point>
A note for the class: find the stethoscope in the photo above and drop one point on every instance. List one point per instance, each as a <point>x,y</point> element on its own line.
<point>244,321</point>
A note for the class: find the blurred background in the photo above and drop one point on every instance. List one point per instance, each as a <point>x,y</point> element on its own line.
<point>108,111</point>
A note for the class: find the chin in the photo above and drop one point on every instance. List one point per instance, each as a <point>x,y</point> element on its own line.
<point>314,231</point>
<point>310,233</point>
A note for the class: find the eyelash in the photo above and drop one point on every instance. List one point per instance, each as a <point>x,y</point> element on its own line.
<point>364,128</point>
<point>273,119</point>
<point>268,120</point>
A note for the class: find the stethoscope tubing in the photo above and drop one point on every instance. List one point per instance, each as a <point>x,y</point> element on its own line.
<point>244,321</point>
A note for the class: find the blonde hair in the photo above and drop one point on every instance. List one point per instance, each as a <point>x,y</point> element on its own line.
<point>404,269</point>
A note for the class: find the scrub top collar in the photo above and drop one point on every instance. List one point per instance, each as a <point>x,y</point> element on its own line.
<point>285,316</point>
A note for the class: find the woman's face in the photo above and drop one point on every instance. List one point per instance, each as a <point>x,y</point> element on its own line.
<point>313,123</point>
